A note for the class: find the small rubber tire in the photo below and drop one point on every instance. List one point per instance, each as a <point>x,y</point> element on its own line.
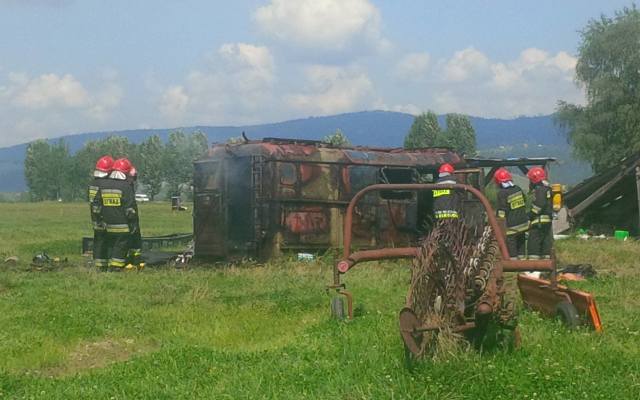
<point>337,308</point>
<point>568,315</point>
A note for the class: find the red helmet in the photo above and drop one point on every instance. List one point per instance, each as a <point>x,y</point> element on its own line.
<point>105,164</point>
<point>123,165</point>
<point>446,168</point>
<point>502,175</point>
<point>536,175</point>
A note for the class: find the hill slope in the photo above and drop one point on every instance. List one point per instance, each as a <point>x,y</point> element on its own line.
<point>373,128</point>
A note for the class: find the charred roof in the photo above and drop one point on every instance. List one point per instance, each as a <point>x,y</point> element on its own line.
<point>293,150</point>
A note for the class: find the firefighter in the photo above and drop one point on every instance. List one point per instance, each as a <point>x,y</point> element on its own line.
<point>541,215</point>
<point>512,208</point>
<point>135,240</point>
<point>116,204</point>
<point>446,202</point>
<point>100,176</point>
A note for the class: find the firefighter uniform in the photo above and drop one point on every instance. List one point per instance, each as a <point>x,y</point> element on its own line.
<point>512,207</point>
<point>116,204</point>
<point>541,216</point>
<point>446,202</point>
<point>134,257</point>
<point>100,249</point>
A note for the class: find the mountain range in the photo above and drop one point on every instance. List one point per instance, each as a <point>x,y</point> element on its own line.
<point>518,137</point>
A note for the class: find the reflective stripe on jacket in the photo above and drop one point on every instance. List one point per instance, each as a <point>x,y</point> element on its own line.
<point>512,207</point>
<point>446,202</point>
<point>541,206</point>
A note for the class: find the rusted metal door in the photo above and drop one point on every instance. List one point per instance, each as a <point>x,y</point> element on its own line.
<point>209,216</point>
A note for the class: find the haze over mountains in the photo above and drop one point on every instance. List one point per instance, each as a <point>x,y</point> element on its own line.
<point>523,136</point>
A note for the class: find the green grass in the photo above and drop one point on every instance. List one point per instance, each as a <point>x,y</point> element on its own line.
<point>58,228</point>
<point>255,331</point>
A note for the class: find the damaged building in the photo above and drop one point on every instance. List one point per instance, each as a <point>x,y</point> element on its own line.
<point>608,201</point>
<point>260,198</point>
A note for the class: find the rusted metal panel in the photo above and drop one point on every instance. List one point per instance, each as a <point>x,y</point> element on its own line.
<point>261,197</point>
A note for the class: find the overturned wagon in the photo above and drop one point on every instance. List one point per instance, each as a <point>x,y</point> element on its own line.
<point>260,198</point>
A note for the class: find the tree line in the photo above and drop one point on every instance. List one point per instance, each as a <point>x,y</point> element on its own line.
<point>427,132</point>
<point>606,128</point>
<point>53,173</point>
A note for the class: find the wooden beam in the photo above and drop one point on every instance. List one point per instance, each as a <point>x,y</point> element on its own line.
<point>489,176</point>
<point>580,207</point>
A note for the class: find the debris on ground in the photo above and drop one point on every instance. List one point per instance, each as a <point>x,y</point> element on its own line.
<point>13,260</point>
<point>43,262</point>
<point>576,272</point>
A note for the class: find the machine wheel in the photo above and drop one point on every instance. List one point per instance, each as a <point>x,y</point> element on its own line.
<point>568,315</point>
<point>413,341</point>
<point>337,308</point>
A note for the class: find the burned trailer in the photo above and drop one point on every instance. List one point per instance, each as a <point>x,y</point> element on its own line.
<point>260,198</point>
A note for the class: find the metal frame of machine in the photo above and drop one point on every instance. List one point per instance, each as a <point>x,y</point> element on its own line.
<point>539,294</point>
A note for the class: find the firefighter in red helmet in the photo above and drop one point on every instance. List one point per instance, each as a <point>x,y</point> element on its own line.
<point>446,202</point>
<point>511,206</point>
<point>116,201</point>
<point>541,215</point>
<point>134,256</point>
<point>100,177</point>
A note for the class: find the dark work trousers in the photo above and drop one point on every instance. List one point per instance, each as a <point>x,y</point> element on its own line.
<point>100,248</point>
<point>540,240</point>
<point>119,245</point>
<point>516,244</point>
<point>135,247</point>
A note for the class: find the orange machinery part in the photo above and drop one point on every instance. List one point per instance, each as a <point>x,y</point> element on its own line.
<point>541,296</point>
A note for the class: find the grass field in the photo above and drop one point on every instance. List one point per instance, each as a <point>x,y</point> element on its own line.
<point>253,331</point>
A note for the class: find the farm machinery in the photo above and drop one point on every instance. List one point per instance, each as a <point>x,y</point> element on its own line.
<point>458,279</point>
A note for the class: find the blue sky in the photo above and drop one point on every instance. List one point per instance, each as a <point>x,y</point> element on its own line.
<point>70,66</point>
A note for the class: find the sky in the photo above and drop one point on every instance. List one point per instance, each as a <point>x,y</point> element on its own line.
<point>71,66</point>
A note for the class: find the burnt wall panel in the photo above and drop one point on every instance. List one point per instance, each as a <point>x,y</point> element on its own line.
<point>240,202</point>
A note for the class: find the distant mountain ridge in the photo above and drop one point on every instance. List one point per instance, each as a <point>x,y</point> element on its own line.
<point>370,128</point>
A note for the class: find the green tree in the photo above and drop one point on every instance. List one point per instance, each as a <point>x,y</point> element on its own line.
<point>337,139</point>
<point>47,168</point>
<point>423,132</point>
<point>83,165</point>
<point>180,153</point>
<point>607,128</point>
<point>426,132</point>
<point>460,134</point>
<point>150,153</point>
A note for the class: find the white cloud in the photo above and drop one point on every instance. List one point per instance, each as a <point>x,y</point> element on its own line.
<point>466,64</point>
<point>332,89</point>
<point>322,24</point>
<point>403,108</point>
<point>235,88</point>
<point>530,84</point>
<point>174,102</point>
<point>50,104</point>
<point>105,101</point>
<point>412,66</point>
<point>51,90</point>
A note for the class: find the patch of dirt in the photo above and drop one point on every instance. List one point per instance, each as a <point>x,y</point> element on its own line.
<point>87,356</point>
